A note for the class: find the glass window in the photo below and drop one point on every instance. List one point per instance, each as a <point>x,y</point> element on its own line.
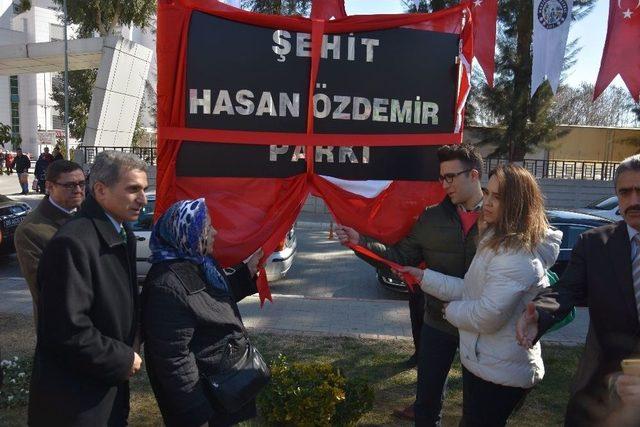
<point>145,220</point>
<point>57,122</point>
<point>56,32</point>
<point>570,233</point>
<point>13,85</point>
<point>606,204</point>
<point>15,118</point>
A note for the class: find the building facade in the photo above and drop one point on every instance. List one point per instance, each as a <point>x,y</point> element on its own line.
<point>25,100</point>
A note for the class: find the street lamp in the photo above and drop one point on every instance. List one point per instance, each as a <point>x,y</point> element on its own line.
<point>66,83</point>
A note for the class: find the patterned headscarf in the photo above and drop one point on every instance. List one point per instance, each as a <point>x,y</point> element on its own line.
<point>182,233</point>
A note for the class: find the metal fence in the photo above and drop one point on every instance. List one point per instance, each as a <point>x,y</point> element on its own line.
<point>555,169</point>
<point>561,169</point>
<point>88,154</point>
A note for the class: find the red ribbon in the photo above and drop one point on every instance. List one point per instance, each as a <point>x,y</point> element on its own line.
<point>407,277</point>
<point>263,287</point>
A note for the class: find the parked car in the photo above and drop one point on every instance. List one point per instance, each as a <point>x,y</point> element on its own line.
<point>277,265</point>
<point>606,208</point>
<point>11,215</point>
<point>571,223</point>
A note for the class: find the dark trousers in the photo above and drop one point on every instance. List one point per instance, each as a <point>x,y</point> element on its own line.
<point>486,404</point>
<point>437,350</point>
<point>416,313</point>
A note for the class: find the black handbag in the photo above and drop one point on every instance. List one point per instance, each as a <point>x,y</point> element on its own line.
<point>236,385</point>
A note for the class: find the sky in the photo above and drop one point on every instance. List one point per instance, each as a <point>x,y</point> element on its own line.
<point>590,30</point>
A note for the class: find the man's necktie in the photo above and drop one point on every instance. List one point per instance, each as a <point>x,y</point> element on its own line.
<point>123,234</point>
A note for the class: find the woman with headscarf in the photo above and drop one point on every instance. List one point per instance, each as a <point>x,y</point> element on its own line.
<point>190,317</point>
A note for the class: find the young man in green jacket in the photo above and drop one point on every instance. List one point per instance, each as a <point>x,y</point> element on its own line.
<point>444,237</point>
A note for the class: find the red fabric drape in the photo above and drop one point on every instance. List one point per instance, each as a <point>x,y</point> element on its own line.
<point>327,9</point>
<point>257,212</point>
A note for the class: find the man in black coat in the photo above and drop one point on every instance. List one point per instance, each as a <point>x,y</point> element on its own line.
<point>603,275</point>
<point>88,314</point>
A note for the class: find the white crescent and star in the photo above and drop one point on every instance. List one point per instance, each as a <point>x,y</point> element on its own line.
<point>620,5</point>
<point>627,13</point>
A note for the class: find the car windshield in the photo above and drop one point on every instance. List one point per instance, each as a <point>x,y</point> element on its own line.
<point>145,220</point>
<point>606,204</point>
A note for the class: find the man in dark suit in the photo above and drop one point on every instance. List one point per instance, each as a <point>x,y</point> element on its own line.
<point>88,313</point>
<point>65,184</point>
<point>603,275</point>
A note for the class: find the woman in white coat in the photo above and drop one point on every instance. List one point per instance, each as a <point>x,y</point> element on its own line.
<point>506,273</point>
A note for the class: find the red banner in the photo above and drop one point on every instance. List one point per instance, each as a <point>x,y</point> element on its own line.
<point>622,48</point>
<point>485,16</point>
<point>257,111</point>
<point>327,9</point>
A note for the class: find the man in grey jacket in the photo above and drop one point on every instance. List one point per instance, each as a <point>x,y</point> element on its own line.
<point>444,237</point>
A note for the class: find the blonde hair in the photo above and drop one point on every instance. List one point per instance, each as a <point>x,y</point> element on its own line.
<point>523,223</point>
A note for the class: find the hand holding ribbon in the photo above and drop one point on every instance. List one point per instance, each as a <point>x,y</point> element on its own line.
<point>407,274</point>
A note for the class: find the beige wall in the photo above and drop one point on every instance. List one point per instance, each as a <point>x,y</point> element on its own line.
<point>597,144</point>
<point>581,143</point>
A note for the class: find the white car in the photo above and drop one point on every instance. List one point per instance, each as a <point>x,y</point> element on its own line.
<point>607,208</point>
<point>277,266</point>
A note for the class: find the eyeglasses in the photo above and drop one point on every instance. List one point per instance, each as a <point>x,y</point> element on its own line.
<point>71,185</point>
<point>450,176</point>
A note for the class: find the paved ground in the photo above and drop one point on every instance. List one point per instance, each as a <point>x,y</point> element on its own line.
<point>338,316</point>
<point>324,315</point>
<point>328,291</point>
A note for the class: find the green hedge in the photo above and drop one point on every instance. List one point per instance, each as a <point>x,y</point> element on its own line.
<point>313,394</point>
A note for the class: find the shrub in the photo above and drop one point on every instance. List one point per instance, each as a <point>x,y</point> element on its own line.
<point>312,394</point>
<point>15,388</point>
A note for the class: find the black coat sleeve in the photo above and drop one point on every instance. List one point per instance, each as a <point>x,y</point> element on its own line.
<point>168,327</point>
<point>241,283</point>
<point>553,304</point>
<point>65,328</point>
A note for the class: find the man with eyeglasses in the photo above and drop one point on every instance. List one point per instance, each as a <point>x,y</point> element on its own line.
<point>65,184</point>
<point>444,237</point>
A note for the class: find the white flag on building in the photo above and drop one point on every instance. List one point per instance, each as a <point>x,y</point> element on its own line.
<point>551,19</point>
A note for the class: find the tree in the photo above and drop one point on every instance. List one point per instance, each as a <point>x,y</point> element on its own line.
<point>60,143</point>
<point>519,123</point>
<point>636,110</point>
<point>22,6</point>
<point>80,89</point>
<point>279,7</point>
<point>5,134</point>
<point>575,106</point>
<point>104,16</point>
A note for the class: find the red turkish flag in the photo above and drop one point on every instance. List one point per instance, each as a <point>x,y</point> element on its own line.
<point>622,48</point>
<point>327,9</point>
<point>485,14</point>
